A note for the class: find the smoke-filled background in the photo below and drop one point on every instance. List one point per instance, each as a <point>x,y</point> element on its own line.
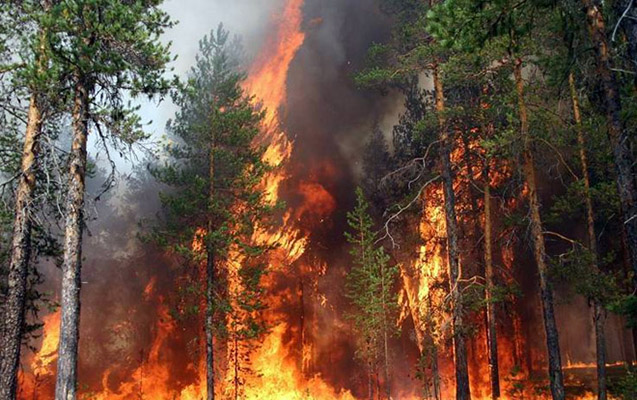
<point>126,324</point>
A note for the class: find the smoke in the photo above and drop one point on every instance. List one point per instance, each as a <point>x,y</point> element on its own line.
<point>329,120</point>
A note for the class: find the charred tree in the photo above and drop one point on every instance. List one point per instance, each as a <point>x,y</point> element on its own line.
<point>537,233</point>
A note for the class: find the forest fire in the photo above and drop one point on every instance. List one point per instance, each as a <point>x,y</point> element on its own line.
<point>158,343</point>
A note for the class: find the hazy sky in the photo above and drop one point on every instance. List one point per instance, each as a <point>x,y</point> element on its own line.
<point>247,18</point>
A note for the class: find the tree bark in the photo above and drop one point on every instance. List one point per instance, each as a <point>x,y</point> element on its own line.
<point>617,132</point>
<point>385,329</point>
<point>210,282</point>
<point>546,292</point>
<point>66,381</point>
<point>492,340</point>
<point>462,373</point>
<point>20,253</point>
<point>599,315</point>
<point>14,308</point>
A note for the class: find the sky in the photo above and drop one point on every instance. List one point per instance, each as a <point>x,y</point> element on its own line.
<point>247,18</point>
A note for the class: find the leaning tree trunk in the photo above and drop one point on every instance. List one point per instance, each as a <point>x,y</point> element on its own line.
<point>537,234</point>
<point>65,386</point>
<point>462,372</point>
<point>599,315</point>
<point>20,253</point>
<point>617,132</point>
<point>210,282</point>
<point>14,307</point>
<point>492,339</point>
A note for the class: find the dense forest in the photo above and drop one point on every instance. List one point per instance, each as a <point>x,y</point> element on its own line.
<point>379,199</point>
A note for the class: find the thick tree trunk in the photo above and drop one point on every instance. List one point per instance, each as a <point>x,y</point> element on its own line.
<point>210,283</point>
<point>462,373</point>
<point>617,132</point>
<point>492,340</point>
<point>599,315</point>
<point>20,253</point>
<point>537,234</point>
<point>65,387</point>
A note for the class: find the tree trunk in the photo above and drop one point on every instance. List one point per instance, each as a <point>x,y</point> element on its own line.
<point>599,315</point>
<point>435,371</point>
<point>492,340</point>
<point>537,234</point>
<point>460,351</point>
<point>65,387</point>
<point>210,282</point>
<point>14,308</point>
<point>370,381</point>
<point>385,328</point>
<point>20,253</point>
<point>617,132</point>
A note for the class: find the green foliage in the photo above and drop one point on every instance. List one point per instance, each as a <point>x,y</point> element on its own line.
<point>625,387</point>
<point>113,48</point>
<point>214,174</point>
<point>369,284</point>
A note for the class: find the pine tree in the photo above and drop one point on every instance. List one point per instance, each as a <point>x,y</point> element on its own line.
<point>107,51</point>
<point>216,173</point>
<point>29,74</point>
<point>370,288</point>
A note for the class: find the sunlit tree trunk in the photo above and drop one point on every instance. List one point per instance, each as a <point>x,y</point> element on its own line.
<point>599,314</point>
<point>618,134</point>
<point>460,351</point>
<point>14,307</point>
<point>20,253</point>
<point>65,388</point>
<point>537,234</point>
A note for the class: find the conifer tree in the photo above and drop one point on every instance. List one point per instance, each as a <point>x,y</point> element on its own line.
<point>216,173</point>
<point>28,73</point>
<point>107,51</point>
<point>370,285</point>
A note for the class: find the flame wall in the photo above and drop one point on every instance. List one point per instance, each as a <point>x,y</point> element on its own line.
<point>133,347</point>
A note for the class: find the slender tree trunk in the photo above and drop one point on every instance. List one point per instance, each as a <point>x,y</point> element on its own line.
<point>599,315</point>
<point>210,282</point>
<point>14,307</point>
<point>236,365</point>
<point>462,372</point>
<point>492,339</point>
<point>65,387</point>
<point>20,253</point>
<point>617,132</point>
<point>385,328</point>
<point>370,381</point>
<point>435,371</point>
<point>546,292</point>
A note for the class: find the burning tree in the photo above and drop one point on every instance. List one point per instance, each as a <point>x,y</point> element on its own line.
<point>215,172</point>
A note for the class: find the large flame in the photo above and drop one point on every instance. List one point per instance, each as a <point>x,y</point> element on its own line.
<point>280,372</point>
